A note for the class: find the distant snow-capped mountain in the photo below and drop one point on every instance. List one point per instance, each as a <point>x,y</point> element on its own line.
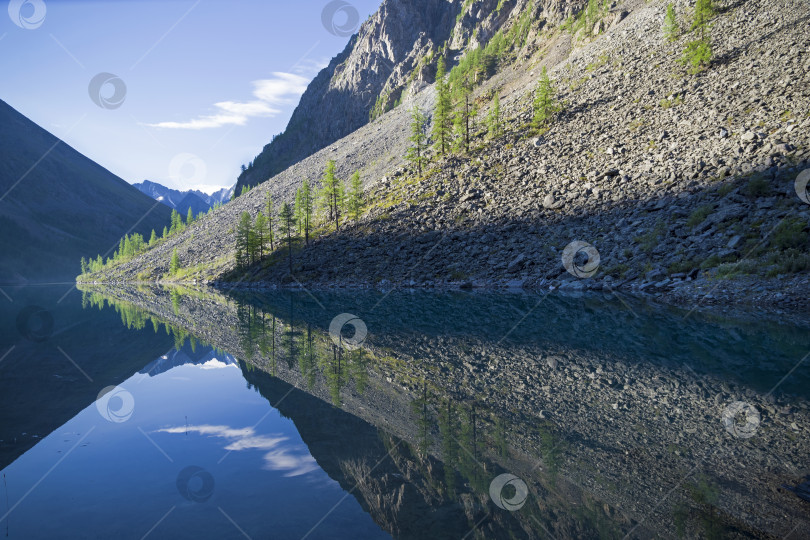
<point>181,201</point>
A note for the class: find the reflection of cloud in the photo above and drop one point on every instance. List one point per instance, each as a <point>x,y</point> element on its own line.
<point>296,464</point>
<point>283,88</point>
<point>215,364</point>
<point>293,461</point>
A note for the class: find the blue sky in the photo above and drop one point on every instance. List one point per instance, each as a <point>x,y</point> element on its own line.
<point>200,86</point>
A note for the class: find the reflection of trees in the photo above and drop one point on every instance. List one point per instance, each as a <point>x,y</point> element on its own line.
<point>312,349</point>
<point>136,318</point>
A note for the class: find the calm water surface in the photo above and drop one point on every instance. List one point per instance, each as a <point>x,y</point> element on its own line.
<point>169,413</point>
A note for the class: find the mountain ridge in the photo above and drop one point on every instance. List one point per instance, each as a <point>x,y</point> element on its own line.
<point>57,205</point>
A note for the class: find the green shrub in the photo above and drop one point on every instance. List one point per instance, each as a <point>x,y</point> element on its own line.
<point>699,215</point>
<point>790,234</point>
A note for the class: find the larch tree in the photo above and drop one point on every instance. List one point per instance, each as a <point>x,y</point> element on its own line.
<point>545,102</point>
<point>333,192</point>
<point>461,121</point>
<point>174,264</point>
<point>670,27</point>
<point>260,232</point>
<point>244,242</point>
<point>354,202</point>
<point>494,119</point>
<point>443,113</point>
<point>417,152</point>
<point>307,206</point>
<point>286,227</point>
<point>190,216</point>
<point>270,220</point>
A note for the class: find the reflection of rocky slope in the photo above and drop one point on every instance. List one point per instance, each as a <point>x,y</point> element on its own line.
<point>617,419</point>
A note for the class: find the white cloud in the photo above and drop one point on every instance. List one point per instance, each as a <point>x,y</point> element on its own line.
<point>295,465</point>
<point>295,461</point>
<point>282,89</point>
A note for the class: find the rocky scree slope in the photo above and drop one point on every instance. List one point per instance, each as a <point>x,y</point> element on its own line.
<point>387,61</point>
<point>674,178</point>
<point>375,149</point>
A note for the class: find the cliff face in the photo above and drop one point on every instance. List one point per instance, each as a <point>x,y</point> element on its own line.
<point>391,57</point>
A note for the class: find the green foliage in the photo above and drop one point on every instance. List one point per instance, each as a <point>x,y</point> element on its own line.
<point>268,211</point>
<point>332,193</point>
<point>699,215</point>
<point>354,201</point>
<point>286,227</point>
<point>304,208</point>
<point>189,217</point>
<point>494,119</point>
<point>260,234</point>
<point>245,242</point>
<point>545,104</point>
<point>593,12</point>
<point>443,113</point>
<point>757,186</point>
<point>791,234</point>
<point>418,149</point>
<point>698,53</point>
<point>174,264</point>
<point>176,222</point>
<point>670,28</point>
<point>461,121</point>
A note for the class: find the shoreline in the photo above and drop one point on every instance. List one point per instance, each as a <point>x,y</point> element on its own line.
<point>787,298</point>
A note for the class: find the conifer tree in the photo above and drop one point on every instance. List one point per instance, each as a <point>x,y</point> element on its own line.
<point>354,202</point>
<point>189,216</point>
<point>545,104</point>
<point>332,192</point>
<point>270,220</point>
<point>260,232</point>
<point>698,52</point>
<point>165,232</point>
<point>174,264</point>
<point>286,228</point>
<point>461,122</point>
<point>671,28</point>
<point>176,222</point>
<point>244,243</point>
<point>443,114</point>
<point>153,238</point>
<point>298,211</point>
<point>494,119</point>
<point>307,208</point>
<point>418,139</point>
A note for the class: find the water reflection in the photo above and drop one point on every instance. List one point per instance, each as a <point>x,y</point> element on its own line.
<point>496,415</point>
